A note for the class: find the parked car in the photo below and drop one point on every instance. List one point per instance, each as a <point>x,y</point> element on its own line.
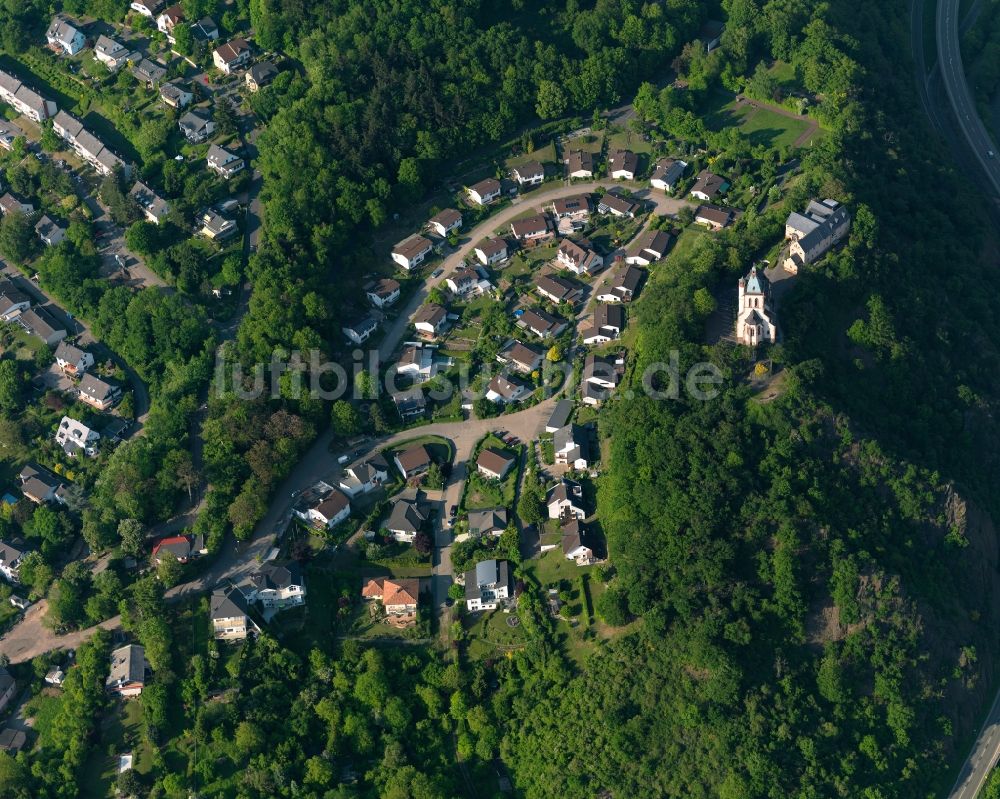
<point>437,272</point>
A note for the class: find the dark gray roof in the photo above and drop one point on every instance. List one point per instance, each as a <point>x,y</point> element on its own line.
<point>487,519</point>
<point>128,664</point>
<point>276,575</point>
<point>227,602</point>
<point>560,414</point>
<point>406,516</point>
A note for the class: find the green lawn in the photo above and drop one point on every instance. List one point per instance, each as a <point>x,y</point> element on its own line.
<point>759,124</point>
<point>490,634</point>
<point>592,142</point>
<point>544,155</point>
<point>629,140</point>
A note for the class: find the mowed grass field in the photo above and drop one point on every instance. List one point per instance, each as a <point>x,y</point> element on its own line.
<point>764,127</point>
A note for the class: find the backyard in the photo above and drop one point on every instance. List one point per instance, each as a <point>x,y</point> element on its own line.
<point>763,126</point>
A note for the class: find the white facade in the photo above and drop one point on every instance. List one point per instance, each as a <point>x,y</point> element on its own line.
<point>755,322</point>
<point>74,436</point>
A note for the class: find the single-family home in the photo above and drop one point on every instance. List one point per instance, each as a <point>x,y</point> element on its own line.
<point>24,100</point>
<point>755,319</point>
<point>64,37</point>
<point>71,359</point>
<point>667,174</point>
<point>8,687</point>
<point>576,543</point>
<point>40,485</point>
<point>811,234</point>
<point>10,561</point>
<point>412,252</point>
<point>616,205</point>
<point>154,207</point>
<point>572,446</point>
<point>487,521</point>
<point>129,669</point>
<point>398,596</point>
<point>276,585</point>
<point>175,95</point>
<point>565,501</point>
<point>407,518</point>
<point>710,34</point>
<point>216,227</point>
<point>559,417</point>
<point>576,208</point>
<point>707,185</point>
<point>75,437</point>
<point>149,73</point>
<point>541,324</point>
<point>556,289</point>
<point>485,191</point>
<point>323,507</point>
<point>623,285</point>
<point>534,228</point>
<point>260,75</point>
<point>99,393</point>
<point>521,357</point>
<point>649,246</point>
<point>580,164</point>
<point>609,321</point>
<point>413,461</point>
<point>445,222</point>
<point>148,8</point>
<point>49,231</point>
<point>9,204</point>
<point>13,301</point>
<point>196,125</point>
<point>503,390</point>
<point>494,464</point>
<point>529,174</point>
<point>488,586</point>
<point>110,52</point>
<point>430,320</point>
<point>383,293</point>
<point>492,251</point>
<point>364,477</point>
<point>417,363</point>
<point>410,403</point>
<point>622,164</point>
<point>230,614</point>
<point>179,546</point>
<point>468,281</point>
<point>168,20</point>
<point>232,55</point>
<point>223,162</point>
<point>205,30</point>
<point>40,323</point>
<point>714,217</point>
<point>601,375</point>
<point>578,259</point>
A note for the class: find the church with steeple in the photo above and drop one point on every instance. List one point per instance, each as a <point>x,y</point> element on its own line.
<point>755,319</point>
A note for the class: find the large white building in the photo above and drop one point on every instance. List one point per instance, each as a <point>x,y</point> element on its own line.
<point>488,586</point>
<point>811,234</point>
<point>755,321</point>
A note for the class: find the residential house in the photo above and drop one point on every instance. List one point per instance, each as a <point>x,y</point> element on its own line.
<point>541,324</point>
<point>609,321</point>
<point>154,208</point>
<point>24,100</point>
<point>488,586</point>
<point>556,289</point>
<point>412,252</point>
<point>175,95</point>
<point>364,477</point>
<point>616,205</point>
<point>523,358</point>
<point>649,246</point>
<point>487,521</point>
<point>413,461</point>
<point>75,437</point>
<point>180,546</point>
<point>19,602</point>
<point>504,390</point>
<point>230,614</point>
<point>148,8</point>
<point>149,73</point>
<point>492,251</point>
<point>85,144</point>
<point>623,286</point>
<point>8,687</point>
<point>383,293</point>
<point>580,164</point>
<point>359,332</point>
<point>601,375</point>
<point>576,543</point>
<point>707,185</point>
<point>571,213</point>
<point>72,360</point>
<point>223,162</point>
<point>323,506</point>
<point>63,37</point>
<point>260,75</point>
<point>407,518</point>
<point>417,363</point>
<point>205,30</point>
<point>565,501</point>
<point>578,259</point>
<point>485,191</point>
<point>560,416</point>
<point>494,464</point>
<point>40,323</point>
<point>534,228</point>
<point>40,485</point>
<point>467,281</point>
<point>9,133</point>
<point>216,227</point>
<point>99,393</point>
<point>168,20</point>
<point>49,231</point>
<point>529,174</point>
<point>232,55</point>
<point>13,302</point>
<point>196,125</point>
<point>572,446</point>
<point>410,404</point>
<point>622,164</point>
<point>755,319</point>
<point>129,670</point>
<point>110,52</point>
<point>430,320</point>
<point>10,561</point>
<point>398,596</point>
<point>667,174</point>
<point>822,226</point>
<point>444,222</point>
<point>710,34</point>
<point>9,204</point>
<point>277,585</point>
<point>713,217</point>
